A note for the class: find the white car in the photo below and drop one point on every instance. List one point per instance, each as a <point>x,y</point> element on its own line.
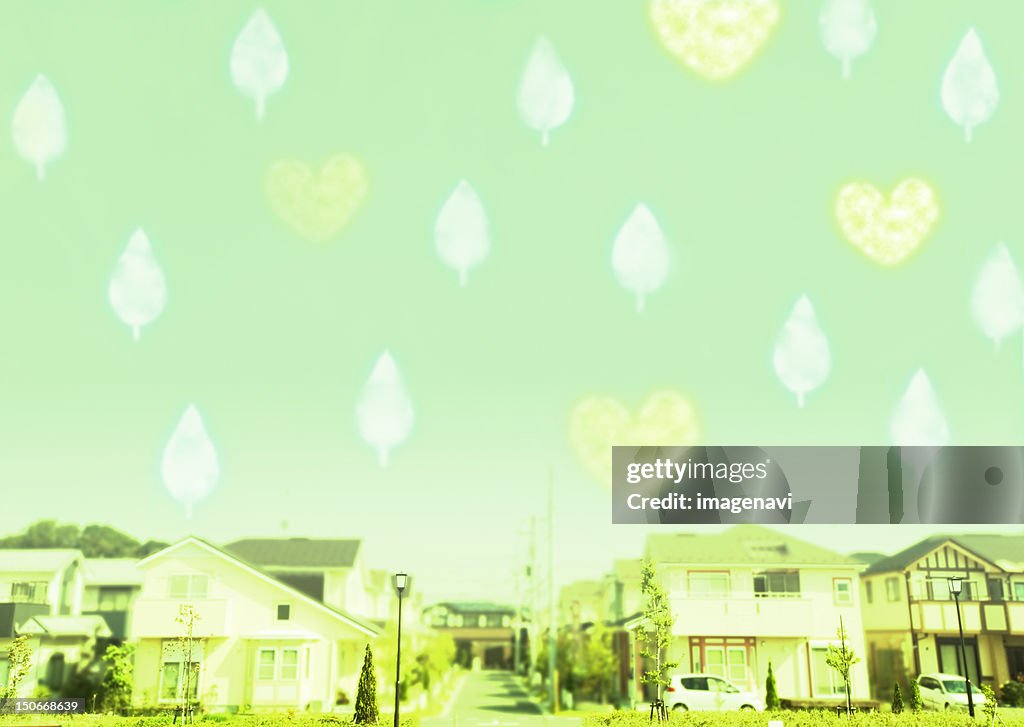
<point>947,691</point>
<point>706,692</point>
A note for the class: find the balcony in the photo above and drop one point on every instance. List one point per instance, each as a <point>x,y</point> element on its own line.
<point>155,618</point>
<point>939,616</point>
<point>747,615</point>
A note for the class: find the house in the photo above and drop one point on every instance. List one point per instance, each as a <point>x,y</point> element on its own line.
<point>260,641</point>
<point>910,618</point>
<point>41,598</point>
<point>750,596</point>
<point>484,633</point>
<point>110,585</point>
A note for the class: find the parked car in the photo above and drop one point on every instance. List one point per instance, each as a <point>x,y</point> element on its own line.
<point>947,691</point>
<point>706,692</point>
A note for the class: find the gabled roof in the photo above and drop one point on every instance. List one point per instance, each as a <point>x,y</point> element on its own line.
<point>742,545</point>
<point>84,626</point>
<point>112,572</point>
<point>296,552</point>
<point>266,577</point>
<point>1003,551</point>
<point>583,590</point>
<point>36,560</point>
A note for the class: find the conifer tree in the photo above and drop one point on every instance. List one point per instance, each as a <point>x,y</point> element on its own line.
<point>366,695</point>
<point>915,697</point>
<point>771,691</point>
<point>897,699</point>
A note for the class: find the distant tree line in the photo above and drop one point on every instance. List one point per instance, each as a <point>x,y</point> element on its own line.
<point>95,541</point>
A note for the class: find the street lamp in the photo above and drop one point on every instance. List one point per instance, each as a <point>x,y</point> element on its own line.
<point>955,586</point>
<point>401,581</point>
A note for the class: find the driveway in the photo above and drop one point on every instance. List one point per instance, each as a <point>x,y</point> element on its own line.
<point>495,699</point>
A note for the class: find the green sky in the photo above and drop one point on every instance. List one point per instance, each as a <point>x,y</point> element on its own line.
<point>272,336</point>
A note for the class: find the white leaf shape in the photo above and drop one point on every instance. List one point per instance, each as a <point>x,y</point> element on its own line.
<point>259,63</point>
<point>190,467</point>
<point>546,95</point>
<point>802,357</point>
<point>918,420</point>
<point>848,29</point>
<point>997,300</point>
<point>39,128</point>
<point>384,413</point>
<point>970,92</point>
<point>461,231</point>
<point>640,254</point>
<point>137,291</point>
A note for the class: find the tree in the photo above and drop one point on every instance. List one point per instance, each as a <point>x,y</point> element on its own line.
<point>771,692</point>
<point>596,662</point>
<point>655,633</point>
<point>115,692</point>
<point>95,541</point>
<point>187,617</point>
<point>841,659</point>
<point>897,699</point>
<point>366,694</point>
<point>19,662</point>
<point>916,705</point>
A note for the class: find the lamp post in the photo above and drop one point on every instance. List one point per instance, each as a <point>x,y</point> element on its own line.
<point>955,586</point>
<point>401,581</point>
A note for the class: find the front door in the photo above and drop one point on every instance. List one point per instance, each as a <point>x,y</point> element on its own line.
<point>1015,661</point>
<point>951,662</point>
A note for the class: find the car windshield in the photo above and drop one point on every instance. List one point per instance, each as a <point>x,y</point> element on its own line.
<point>955,686</point>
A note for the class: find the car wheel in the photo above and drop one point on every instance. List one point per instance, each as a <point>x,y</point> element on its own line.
<point>747,707</point>
<point>947,706</point>
<point>680,708</point>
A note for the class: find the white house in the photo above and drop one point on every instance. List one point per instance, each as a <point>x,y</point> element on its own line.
<point>751,595</point>
<point>260,642</point>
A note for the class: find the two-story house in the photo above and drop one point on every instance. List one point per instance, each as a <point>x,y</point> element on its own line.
<point>484,633</point>
<point>750,596</point>
<point>910,617</point>
<point>41,599</point>
<point>259,642</point>
<point>584,602</point>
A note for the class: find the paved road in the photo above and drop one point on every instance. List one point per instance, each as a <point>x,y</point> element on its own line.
<point>495,699</point>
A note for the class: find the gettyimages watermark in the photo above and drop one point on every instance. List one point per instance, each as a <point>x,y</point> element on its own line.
<point>826,485</point>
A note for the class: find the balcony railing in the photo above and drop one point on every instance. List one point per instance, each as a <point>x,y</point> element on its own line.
<point>1004,617</point>
<point>751,615</point>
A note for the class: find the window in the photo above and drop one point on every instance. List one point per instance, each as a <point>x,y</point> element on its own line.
<point>1018,591</point>
<point>177,667</point>
<point>709,584</point>
<point>928,683</point>
<point>189,586</point>
<point>279,664</point>
<point>289,665</point>
<point>995,589</point>
<point>825,680</point>
<point>843,590</point>
<point>868,592</point>
<point>265,664</point>
<point>283,612</point>
<point>29,592</point>
<point>113,598</point>
<point>699,684</point>
<point>481,621</point>
<point>727,662</point>
<point>777,584</point>
<point>892,589</point>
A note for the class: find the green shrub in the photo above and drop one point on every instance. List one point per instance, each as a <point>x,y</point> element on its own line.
<point>916,705</point>
<point>1012,693</point>
<point>771,692</point>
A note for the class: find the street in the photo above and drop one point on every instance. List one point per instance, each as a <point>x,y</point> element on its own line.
<point>495,699</point>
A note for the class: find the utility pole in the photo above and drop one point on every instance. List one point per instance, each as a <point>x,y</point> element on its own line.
<point>552,625</point>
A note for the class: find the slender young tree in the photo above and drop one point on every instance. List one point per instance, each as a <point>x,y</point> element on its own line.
<point>19,662</point>
<point>842,659</point>
<point>366,693</point>
<point>655,635</point>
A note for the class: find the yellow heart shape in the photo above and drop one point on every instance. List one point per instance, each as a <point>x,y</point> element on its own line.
<point>599,422</point>
<point>715,38</point>
<point>317,205</point>
<point>887,231</point>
